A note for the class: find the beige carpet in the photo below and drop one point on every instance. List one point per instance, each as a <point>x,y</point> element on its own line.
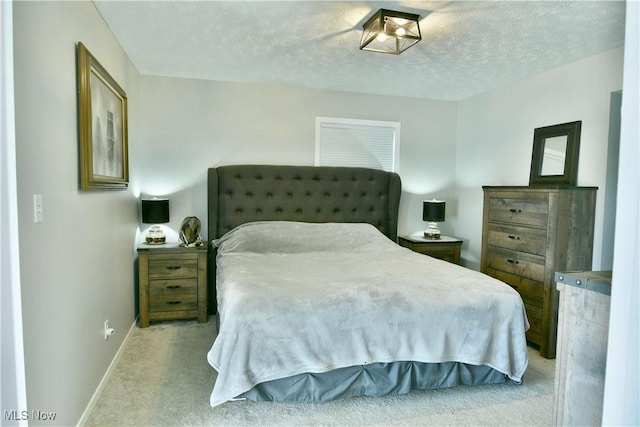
<point>163,379</point>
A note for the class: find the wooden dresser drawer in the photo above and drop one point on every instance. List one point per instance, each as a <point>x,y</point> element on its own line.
<point>514,262</point>
<point>522,239</point>
<point>530,212</point>
<point>532,293</point>
<point>172,267</point>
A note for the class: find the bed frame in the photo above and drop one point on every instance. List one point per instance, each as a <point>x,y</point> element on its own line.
<point>238,194</point>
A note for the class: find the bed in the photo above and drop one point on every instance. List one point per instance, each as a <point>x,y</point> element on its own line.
<point>316,301</point>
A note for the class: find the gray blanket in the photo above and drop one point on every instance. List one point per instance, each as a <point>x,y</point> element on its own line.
<point>302,297</point>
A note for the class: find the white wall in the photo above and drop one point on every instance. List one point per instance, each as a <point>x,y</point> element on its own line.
<point>77,265</point>
<point>495,137</point>
<point>190,125</point>
<point>13,392</point>
<point>622,388</point>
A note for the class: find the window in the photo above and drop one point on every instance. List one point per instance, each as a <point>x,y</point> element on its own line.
<point>364,143</point>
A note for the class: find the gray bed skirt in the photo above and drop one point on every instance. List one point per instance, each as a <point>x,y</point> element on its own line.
<point>376,379</point>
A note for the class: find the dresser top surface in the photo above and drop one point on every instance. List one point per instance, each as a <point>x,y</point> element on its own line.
<point>536,187</point>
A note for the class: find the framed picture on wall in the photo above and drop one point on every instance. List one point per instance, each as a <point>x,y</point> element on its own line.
<point>102,127</point>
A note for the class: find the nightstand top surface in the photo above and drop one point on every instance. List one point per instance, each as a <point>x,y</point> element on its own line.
<point>418,237</point>
<point>169,247</point>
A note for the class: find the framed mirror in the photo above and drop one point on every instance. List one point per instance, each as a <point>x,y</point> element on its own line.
<point>555,154</point>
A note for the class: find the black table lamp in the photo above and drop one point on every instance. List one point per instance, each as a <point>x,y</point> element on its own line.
<point>433,212</point>
<point>155,211</point>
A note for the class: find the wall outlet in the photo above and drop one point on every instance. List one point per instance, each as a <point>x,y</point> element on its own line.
<point>107,330</point>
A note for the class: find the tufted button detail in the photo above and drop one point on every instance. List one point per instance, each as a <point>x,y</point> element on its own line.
<point>258,211</point>
<point>249,194</point>
<point>299,210</point>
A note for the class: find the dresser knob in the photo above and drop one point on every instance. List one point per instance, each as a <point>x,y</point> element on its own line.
<point>512,237</point>
<point>515,210</point>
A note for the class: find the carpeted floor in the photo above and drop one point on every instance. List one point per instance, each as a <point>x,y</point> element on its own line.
<point>163,379</point>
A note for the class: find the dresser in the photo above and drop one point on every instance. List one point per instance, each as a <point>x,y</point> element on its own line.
<point>173,283</point>
<point>583,332</point>
<point>446,248</point>
<point>529,233</point>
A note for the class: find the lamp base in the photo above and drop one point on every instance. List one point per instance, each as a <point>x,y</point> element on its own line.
<point>432,232</point>
<point>155,236</point>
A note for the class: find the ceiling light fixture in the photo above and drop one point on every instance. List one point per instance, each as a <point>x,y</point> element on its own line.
<point>388,31</point>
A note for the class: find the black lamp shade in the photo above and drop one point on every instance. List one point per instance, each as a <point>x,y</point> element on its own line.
<point>433,210</point>
<point>155,211</point>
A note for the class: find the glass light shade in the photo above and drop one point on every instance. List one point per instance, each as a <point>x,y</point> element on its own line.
<point>388,31</point>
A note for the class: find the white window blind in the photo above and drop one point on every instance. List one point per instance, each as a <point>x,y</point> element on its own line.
<point>364,143</point>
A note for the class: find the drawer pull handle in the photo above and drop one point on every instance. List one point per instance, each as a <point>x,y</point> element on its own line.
<point>512,261</point>
<point>515,210</point>
<point>173,302</point>
<point>174,287</point>
<point>512,237</point>
<point>174,267</point>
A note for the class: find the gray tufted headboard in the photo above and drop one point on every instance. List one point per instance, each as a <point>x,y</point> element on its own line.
<point>243,193</point>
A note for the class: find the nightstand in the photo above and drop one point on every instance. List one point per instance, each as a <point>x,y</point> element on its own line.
<point>173,283</point>
<point>446,248</point>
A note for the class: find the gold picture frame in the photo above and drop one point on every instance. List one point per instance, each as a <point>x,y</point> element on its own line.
<point>102,126</point>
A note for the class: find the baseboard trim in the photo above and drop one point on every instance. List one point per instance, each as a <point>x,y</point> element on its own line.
<point>103,382</point>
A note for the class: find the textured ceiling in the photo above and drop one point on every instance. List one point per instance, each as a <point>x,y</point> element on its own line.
<point>467,47</point>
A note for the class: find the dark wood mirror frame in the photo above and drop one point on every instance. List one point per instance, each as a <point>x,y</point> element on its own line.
<point>571,131</point>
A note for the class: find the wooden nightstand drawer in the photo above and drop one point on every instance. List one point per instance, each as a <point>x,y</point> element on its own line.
<point>172,267</point>
<point>445,248</point>
<point>172,283</point>
<point>169,295</point>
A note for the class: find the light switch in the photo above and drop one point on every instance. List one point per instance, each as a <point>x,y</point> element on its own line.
<point>38,208</point>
